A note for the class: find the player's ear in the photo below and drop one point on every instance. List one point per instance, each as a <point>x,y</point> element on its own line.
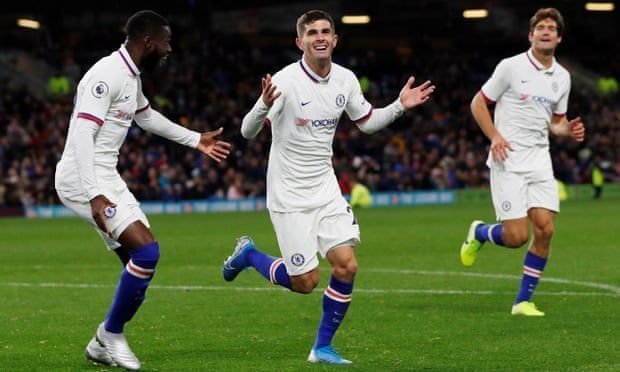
<point>148,42</point>
<point>559,39</point>
<point>335,40</point>
<point>530,36</point>
<point>298,43</point>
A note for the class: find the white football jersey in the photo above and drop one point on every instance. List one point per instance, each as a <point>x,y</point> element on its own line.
<point>527,96</point>
<point>109,95</point>
<point>303,121</point>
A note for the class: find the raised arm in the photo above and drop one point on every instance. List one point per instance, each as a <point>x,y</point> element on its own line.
<point>408,98</point>
<point>254,120</point>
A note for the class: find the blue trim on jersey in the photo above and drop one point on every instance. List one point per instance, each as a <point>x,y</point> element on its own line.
<point>91,117</point>
<point>127,63</point>
<point>307,73</point>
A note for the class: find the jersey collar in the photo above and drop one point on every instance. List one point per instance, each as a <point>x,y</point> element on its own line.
<point>539,66</point>
<point>312,75</point>
<point>124,54</point>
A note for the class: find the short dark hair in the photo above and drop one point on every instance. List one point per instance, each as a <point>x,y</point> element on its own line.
<point>544,13</point>
<point>143,23</point>
<point>311,16</point>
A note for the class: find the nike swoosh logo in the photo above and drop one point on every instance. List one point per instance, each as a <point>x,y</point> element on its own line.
<point>305,103</point>
<point>524,81</point>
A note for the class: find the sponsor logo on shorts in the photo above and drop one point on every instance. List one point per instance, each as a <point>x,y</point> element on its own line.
<point>109,212</point>
<point>506,206</point>
<point>298,259</point>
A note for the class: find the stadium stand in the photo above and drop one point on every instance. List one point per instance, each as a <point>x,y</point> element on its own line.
<point>213,79</point>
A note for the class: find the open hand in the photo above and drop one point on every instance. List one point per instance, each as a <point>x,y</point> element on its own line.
<point>577,129</point>
<point>101,209</point>
<point>215,149</point>
<point>500,148</point>
<point>269,90</point>
<point>411,97</point>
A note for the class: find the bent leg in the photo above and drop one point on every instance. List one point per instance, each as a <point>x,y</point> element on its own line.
<point>515,233</point>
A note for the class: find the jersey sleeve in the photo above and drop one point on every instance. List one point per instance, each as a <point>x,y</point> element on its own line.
<point>357,107</point>
<point>100,90</point>
<point>562,106</point>
<point>143,102</point>
<point>498,83</point>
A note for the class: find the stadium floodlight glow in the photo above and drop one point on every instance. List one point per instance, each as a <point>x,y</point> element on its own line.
<point>600,7</point>
<point>355,19</point>
<point>28,23</point>
<point>475,13</point>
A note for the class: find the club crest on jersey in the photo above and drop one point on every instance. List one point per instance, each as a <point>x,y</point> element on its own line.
<point>100,90</point>
<point>554,86</point>
<point>340,100</point>
<point>298,259</point>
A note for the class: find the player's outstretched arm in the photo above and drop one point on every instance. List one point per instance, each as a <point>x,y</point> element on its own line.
<point>154,122</point>
<point>254,120</point>
<point>408,98</point>
<point>411,96</point>
<point>212,147</point>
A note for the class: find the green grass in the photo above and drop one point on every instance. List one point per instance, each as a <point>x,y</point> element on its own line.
<point>444,318</point>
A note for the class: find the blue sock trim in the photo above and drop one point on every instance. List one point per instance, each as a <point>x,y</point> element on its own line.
<point>533,267</point>
<point>340,286</point>
<point>482,231</point>
<point>534,261</point>
<point>146,256</point>
<point>333,312</point>
<point>131,289</point>
<point>263,264</point>
<point>496,233</point>
<point>490,233</point>
<point>281,276</point>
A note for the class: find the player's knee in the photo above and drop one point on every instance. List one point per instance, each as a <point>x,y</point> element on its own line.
<point>305,283</point>
<point>346,270</point>
<point>545,231</point>
<point>515,238</point>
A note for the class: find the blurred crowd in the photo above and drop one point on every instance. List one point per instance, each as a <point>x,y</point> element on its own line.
<point>210,83</point>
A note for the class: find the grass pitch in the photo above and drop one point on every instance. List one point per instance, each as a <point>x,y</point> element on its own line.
<point>414,307</point>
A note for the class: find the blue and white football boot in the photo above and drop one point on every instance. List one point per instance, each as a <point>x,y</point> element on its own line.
<point>326,354</point>
<point>235,263</point>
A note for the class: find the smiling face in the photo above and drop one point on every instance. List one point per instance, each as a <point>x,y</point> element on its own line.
<point>156,50</point>
<point>544,37</point>
<point>317,40</point>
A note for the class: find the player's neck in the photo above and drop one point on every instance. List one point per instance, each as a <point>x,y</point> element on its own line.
<point>544,57</point>
<point>134,52</point>
<point>321,67</point>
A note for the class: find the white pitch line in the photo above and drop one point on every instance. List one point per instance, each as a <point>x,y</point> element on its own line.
<point>608,287</point>
<point>273,289</point>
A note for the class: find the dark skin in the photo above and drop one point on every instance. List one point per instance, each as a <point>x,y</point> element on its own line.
<point>149,52</point>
